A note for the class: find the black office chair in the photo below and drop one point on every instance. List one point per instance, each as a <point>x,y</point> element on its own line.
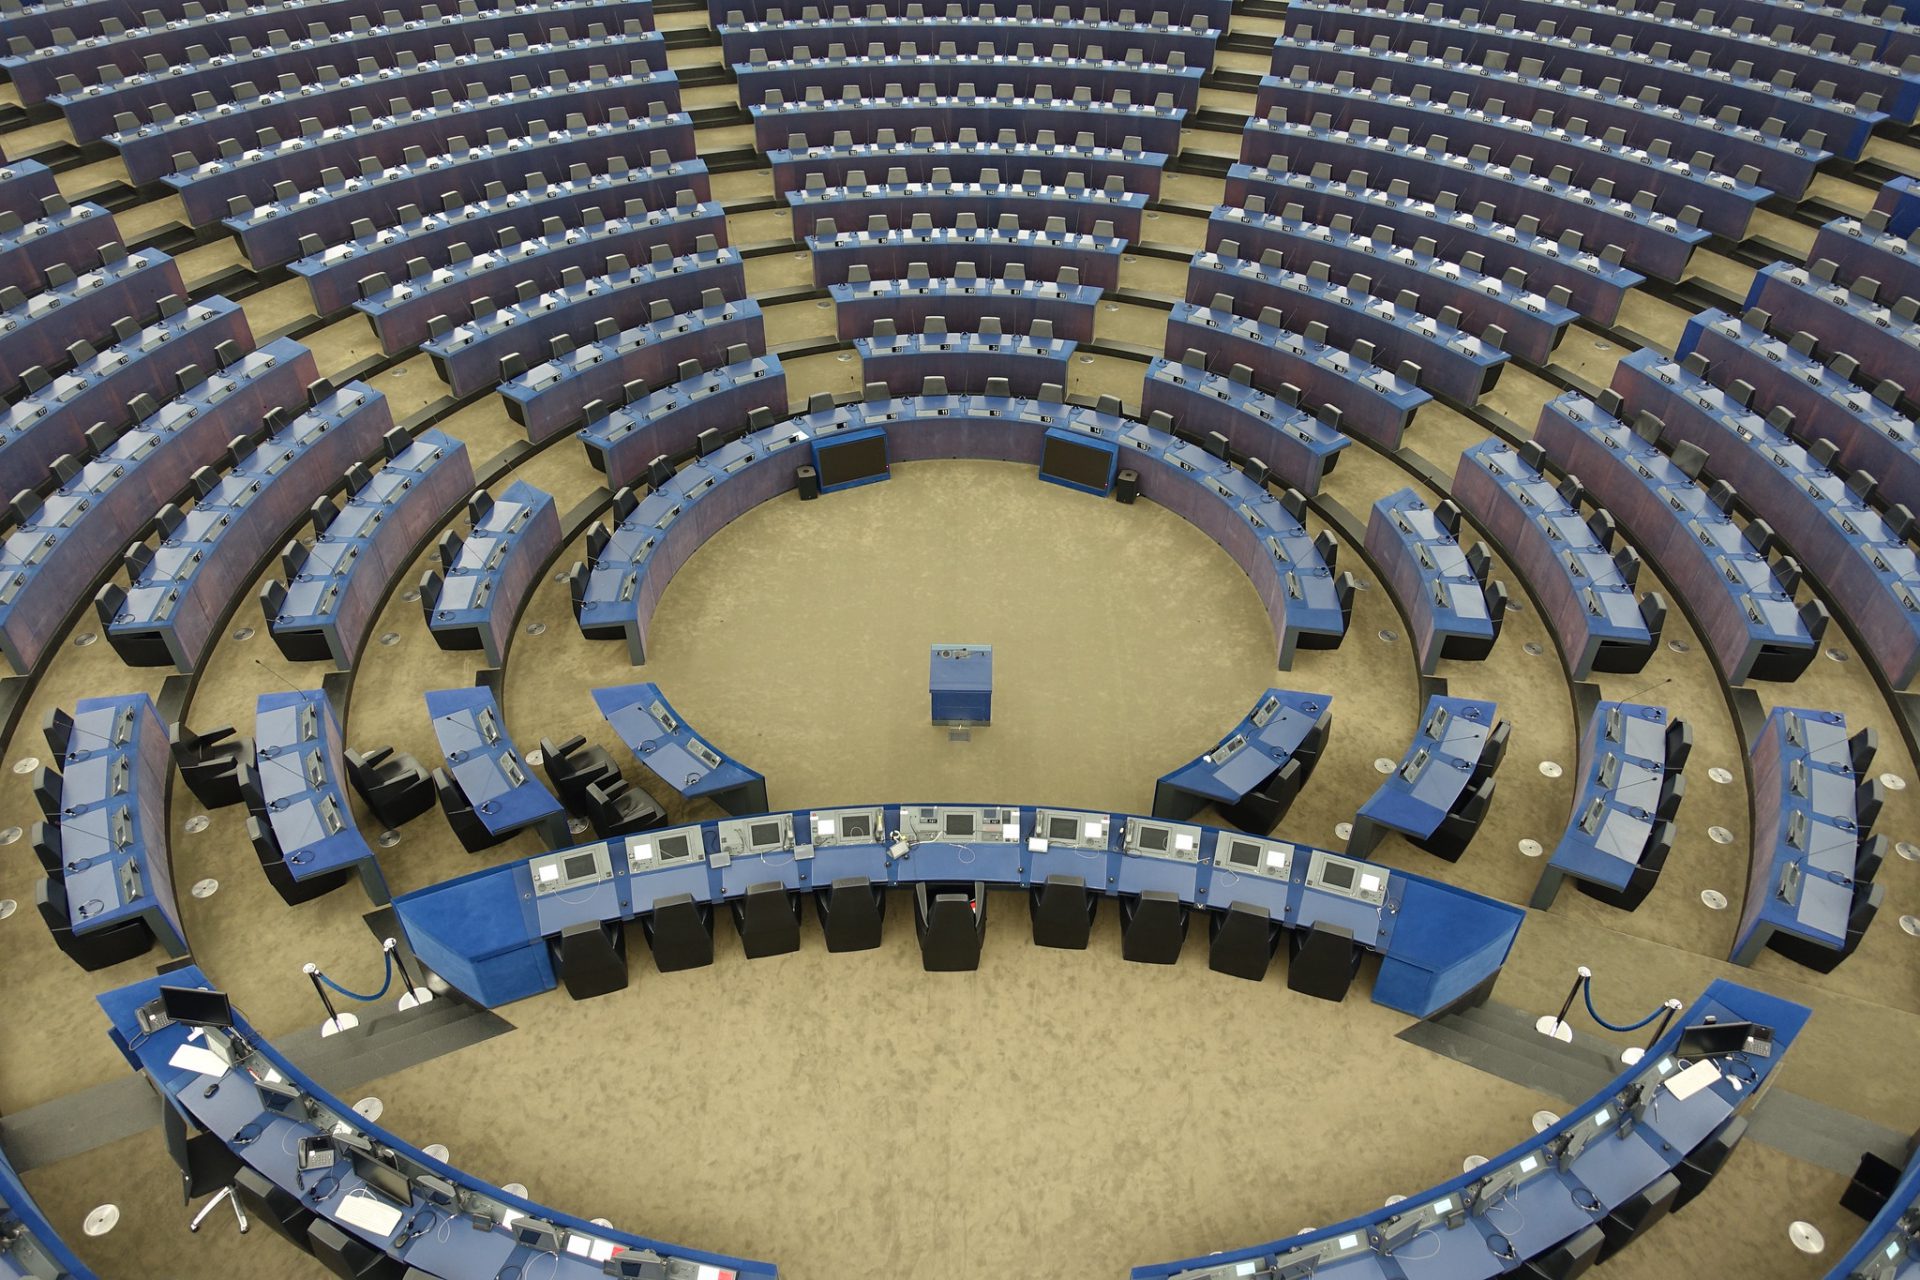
<point>574,765</point>
<point>1872,853</point>
<point>1673,789</point>
<point>1867,898</point>
<point>1261,809</point>
<point>47,788</point>
<point>1639,1211</point>
<point>45,839</point>
<point>1679,745</point>
<point>1456,831</point>
<point>618,808</point>
<point>951,922</point>
<point>350,1257</point>
<point>1704,1161</point>
<point>1492,753</point>
<point>396,787</point>
<point>680,933</point>
<point>279,868</point>
<point>767,918</point>
<point>281,1210</point>
<point>1062,912</point>
<point>851,911</point>
<point>1322,960</point>
<point>1645,874</point>
<point>207,1166</point>
<point>1861,749</point>
<point>1868,799</point>
<point>473,834</point>
<point>210,762</point>
<point>1343,593</point>
<point>57,727</point>
<point>1153,927</point>
<point>96,949</point>
<point>1242,941</point>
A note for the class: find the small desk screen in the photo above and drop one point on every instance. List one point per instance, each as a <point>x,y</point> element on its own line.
<point>1337,875</point>
<point>959,824</point>
<point>1154,839</point>
<point>765,833</point>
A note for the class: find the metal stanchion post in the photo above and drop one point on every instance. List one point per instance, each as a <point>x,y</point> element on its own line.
<point>336,1021</point>
<point>411,997</point>
<point>1633,1053</point>
<point>1556,1028</point>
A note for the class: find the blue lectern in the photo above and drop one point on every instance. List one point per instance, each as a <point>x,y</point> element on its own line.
<point>960,680</point>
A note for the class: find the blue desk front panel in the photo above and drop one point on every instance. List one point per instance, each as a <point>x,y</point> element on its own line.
<point>654,732</point>
<point>1438,763</point>
<point>32,1249</point>
<point>491,773</point>
<point>1254,749</point>
<point>299,765</point>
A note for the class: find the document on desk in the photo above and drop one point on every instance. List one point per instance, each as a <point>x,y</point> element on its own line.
<point>1693,1079</point>
<point>371,1215</point>
<point>199,1060</point>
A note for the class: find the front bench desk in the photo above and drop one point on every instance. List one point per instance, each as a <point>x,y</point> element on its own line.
<point>492,933</point>
<point>1626,756</point>
<point>30,1248</point>
<point>1442,765</point>
<point>486,767</point>
<point>298,766</point>
<point>1586,1186</point>
<point>1282,725</point>
<point>248,1094</point>
<point>1889,1248</point>
<point>1303,598</point>
<point>661,741</point>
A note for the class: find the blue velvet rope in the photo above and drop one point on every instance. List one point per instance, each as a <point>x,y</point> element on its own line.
<point>388,982</point>
<point>1586,989</point>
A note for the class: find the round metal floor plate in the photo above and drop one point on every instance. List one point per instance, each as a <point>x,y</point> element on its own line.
<point>1713,900</point>
<point>10,836</point>
<point>1719,835</point>
<point>26,764</point>
<point>1530,848</point>
<point>410,595</point>
<point>7,907</point>
<point>1679,646</point>
<point>1908,850</point>
<point>1893,782</point>
<point>195,825</point>
<point>1393,1200</point>
<point>1719,775</point>
<point>101,1220</point>
<point>1910,925</point>
<point>515,1189</point>
<point>243,633</point>
<point>1389,636</point>
<point>388,838</point>
<point>84,639</point>
<point>1544,1120</point>
<point>1806,1237</point>
<point>1550,769</point>
<point>389,637</point>
<point>576,826</point>
<point>1471,1163</point>
<point>1532,648</point>
<point>437,1151</point>
<point>1836,655</point>
<point>1343,829</point>
<point>536,757</point>
<point>1382,765</point>
<point>369,1108</point>
<point>536,628</point>
<point>205,888</point>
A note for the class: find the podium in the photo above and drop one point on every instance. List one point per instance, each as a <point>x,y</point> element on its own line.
<point>960,683</point>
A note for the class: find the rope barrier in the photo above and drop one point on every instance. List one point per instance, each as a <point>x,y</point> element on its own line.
<point>385,983</point>
<point>1586,990</point>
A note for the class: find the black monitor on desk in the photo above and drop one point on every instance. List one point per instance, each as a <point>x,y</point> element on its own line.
<point>859,457</point>
<point>641,1265</point>
<point>1088,466</point>
<point>383,1178</point>
<point>1719,1039</point>
<point>196,1007</point>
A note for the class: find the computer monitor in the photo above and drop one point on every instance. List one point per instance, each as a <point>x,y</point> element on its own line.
<point>856,826</point>
<point>569,868</point>
<point>649,849</point>
<point>636,1265</point>
<point>533,1233</point>
<point>384,1178</point>
<point>847,826</point>
<point>1331,873</point>
<point>1064,828</point>
<point>1718,1039</point>
<point>958,826</point>
<point>1154,839</point>
<point>195,1007</point>
<point>767,835</point>
<point>1083,466</point>
<point>1250,855</point>
<point>862,456</point>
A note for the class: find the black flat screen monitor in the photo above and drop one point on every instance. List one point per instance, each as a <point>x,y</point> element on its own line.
<point>1718,1039</point>
<point>1337,875</point>
<point>958,824</point>
<point>384,1178</point>
<point>1086,466</point>
<point>1066,829</point>
<point>1153,839</point>
<point>197,1008</point>
<point>856,826</point>
<point>851,461</point>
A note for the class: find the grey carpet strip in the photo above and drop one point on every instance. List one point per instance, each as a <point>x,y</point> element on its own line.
<point>1501,1041</point>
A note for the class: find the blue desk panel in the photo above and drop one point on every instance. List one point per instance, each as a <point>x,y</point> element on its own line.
<point>653,731</point>
<point>300,766</point>
<point>1438,763</point>
<point>989,250</point>
<point>1430,575</point>
<point>833,165</point>
<point>1621,772</point>
<point>1252,751</point>
<point>498,566</point>
<point>1110,124</point>
<point>33,1248</point>
<point>491,773</point>
<point>1296,444</point>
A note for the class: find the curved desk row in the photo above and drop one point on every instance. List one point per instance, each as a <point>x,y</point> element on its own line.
<point>667,746</point>
<point>742,42</point>
<point>1865,428</point>
<point>342,273</point>
<point>863,119</point>
<point>1846,321</point>
<point>381,1197</point>
<point>111,896</point>
<point>247,118</point>
<point>1095,211</point>
<point>1891,35</point>
<point>1742,602</point>
<point>488,933</point>
<point>88,304</point>
<point>1215,13</point>
<point>30,1247</point>
<point>1117,80</point>
<point>488,772</point>
<point>1622,825</point>
<point>1869,571</point>
<point>296,224</point>
<point>1298,367</point>
<point>106,503</point>
<point>55,413</point>
<point>965,362</point>
<point>1438,794</point>
<point>1453,610</point>
<point>58,232</point>
<point>1574,1193</point>
<point>1298,447</point>
<point>902,252</point>
<point>299,768</point>
<point>964,301</point>
<point>1303,599</point>
<point>965,157</point>
<point>1867,248</point>
<point>1712,142</point>
<point>1593,285</point>
<point>94,110</point>
<point>491,572</point>
<point>335,588</point>
<point>572,390</point>
<point>1647,241</point>
<point>689,415</point>
<point>1255,772</point>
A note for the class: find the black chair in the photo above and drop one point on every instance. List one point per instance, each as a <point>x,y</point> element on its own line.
<point>57,727</point>
<point>767,917</point>
<point>349,1257</point>
<point>279,870</point>
<point>851,912</point>
<point>466,824</point>
<point>619,808</point>
<point>1456,831</point>
<point>1867,898</point>
<point>1261,809</point>
<point>1243,939</point>
<point>591,958</point>
<point>1705,1160</point>
<point>1872,853</point>
<point>1492,753</point>
<point>262,1201</point>
<point>680,931</point>
<point>573,765</point>
<point>1868,799</point>
<point>1673,789</point>
<point>47,787</point>
<point>1321,961</point>
<point>45,839</point>
<point>1568,1260</point>
<point>96,949</point>
<point>1679,745</point>
<point>951,922</point>
<point>1343,592</point>
<point>1645,874</point>
<point>396,787</point>
<point>1062,912</point>
<point>207,1166</point>
<point>210,762</point>
<point>1639,1211</point>
<point>1153,927</point>
<point>1861,749</point>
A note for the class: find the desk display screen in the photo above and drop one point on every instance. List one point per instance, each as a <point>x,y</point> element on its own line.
<point>1336,875</point>
<point>856,826</point>
<point>860,459</point>
<point>1153,839</point>
<point>578,866</point>
<point>958,824</point>
<point>1063,829</point>
<point>1085,465</point>
<point>765,834</point>
<point>1243,854</point>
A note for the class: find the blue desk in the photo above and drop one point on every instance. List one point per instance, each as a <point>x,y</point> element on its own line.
<point>1555,1184</point>
<point>833,165</point>
<point>1647,241</point>
<point>1880,341</point>
<point>1746,617</point>
<point>1444,599</point>
<point>444,1240</point>
<point>1859,250</point>
<point>1296,444</point>
<point>567,392</point>
<point>646,722</point>
<point>989,250</point>
<point>498,565</point>
<point>86,524</point>
<point>1108,79</point>
<point>1084,210</point>
<point>1005,33</point>
<point>490,772</point>
<point>670,421</point>
<point>34,1249</point>
<point>1252,752</point>
<point>960,683</point>
<point>72,234</point>
<point>1890,1241</point>
<point>1622,773</point>
<point>1870,573</point>
<point>964,302</point>
<point>175,606</point>
<point>299,763</point>
<point>968,361</point>
<point>45,423</point>
<point>113,820</point>
<point>1801,866</point>
<point>486,932</point>
<point>1868,431</point>
<point>88,303</point>
<point>1131,125</point>
<point>1900,201</point>
<point>1431,776</point>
